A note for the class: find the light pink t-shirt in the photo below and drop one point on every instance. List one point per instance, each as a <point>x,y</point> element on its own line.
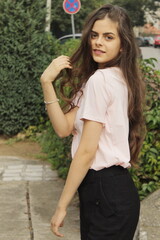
<point>105,100</point>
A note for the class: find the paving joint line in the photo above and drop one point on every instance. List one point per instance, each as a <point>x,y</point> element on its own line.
<point>29,211</point>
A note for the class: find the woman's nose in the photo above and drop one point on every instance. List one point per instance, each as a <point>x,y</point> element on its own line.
<point>99,41</point>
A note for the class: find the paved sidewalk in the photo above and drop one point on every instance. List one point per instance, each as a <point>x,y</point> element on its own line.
<point>29,191</point>
<point>150,217</point>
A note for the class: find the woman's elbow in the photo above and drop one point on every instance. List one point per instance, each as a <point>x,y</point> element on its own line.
<point>63,134</point>
<point>89,153</point>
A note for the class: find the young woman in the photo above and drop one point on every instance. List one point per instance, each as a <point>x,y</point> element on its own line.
<point>105,117</point>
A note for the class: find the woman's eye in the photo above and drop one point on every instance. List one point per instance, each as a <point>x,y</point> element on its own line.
<point>93,35</point>
<point>108,37</point>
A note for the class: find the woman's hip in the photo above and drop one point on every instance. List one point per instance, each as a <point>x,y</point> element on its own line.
<point>109,205</point>
<point>112,187</point>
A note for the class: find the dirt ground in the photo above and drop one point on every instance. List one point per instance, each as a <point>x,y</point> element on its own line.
<point>23,148</point>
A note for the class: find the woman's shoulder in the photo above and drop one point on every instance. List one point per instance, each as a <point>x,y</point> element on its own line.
<point>112,72</point>
<point>108,77</point>
<point>103,74</point>
<point>113,75</point>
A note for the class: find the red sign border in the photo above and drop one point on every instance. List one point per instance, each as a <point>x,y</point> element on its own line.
<point>72,12</point>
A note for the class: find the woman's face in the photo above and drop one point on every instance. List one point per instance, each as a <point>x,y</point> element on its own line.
<point>105,41</point>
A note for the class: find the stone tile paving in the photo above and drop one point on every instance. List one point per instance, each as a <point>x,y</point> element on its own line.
<point>15,171</point>
<point>13,211</point>
<point>29,191</point>
<point>150,217</point>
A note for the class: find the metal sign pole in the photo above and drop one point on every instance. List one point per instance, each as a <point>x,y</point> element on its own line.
<point>48,16</point>
<point>73,26</point>
<point>72,7</point>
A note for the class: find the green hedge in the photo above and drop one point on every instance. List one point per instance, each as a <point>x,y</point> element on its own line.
<point>58,150</point>
<point>25,51</point>
<point>147,176</point>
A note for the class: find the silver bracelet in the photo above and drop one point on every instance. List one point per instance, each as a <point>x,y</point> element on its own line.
<point>47,103</point>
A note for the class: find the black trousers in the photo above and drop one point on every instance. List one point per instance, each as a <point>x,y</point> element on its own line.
<point>109,205</point>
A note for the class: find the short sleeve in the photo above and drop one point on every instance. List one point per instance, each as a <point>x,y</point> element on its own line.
<point>77,100</point>
<point>97,98</point>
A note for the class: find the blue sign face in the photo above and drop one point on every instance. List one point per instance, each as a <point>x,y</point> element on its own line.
<point>71,6</point>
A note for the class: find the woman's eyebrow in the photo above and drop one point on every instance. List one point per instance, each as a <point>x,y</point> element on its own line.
<point>106,33</point>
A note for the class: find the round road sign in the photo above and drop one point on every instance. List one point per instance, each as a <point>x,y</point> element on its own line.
<point>71,6</point>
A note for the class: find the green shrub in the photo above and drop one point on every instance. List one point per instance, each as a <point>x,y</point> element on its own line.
<point>58,150</point>
<point>147,176</point>
<point>69,47</point>
<point>25,52</point>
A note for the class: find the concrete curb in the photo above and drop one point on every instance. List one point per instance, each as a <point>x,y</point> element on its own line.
<point>149,228</point>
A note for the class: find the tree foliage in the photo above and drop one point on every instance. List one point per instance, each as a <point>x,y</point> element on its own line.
<point>61,21</point>
<point>25,51</point>
<point>136,9</point>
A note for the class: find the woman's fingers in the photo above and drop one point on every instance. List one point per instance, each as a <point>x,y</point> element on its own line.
<point>61,225</point>
<point>57,221</point>
<point>55,67</point>
<point>55,230</point>
<point>62,62</point>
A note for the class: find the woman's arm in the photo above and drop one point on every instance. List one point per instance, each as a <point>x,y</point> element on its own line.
<point>62,123</point>
<point>78,169</point>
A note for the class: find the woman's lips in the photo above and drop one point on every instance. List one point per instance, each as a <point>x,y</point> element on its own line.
<point>98,51</point>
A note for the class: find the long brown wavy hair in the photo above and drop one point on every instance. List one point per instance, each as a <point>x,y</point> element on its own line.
<point>84,66</point>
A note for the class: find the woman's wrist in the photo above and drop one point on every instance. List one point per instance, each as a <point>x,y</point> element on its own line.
<point>62,203</point>
<point>45,81</point>
<point>61,208</point>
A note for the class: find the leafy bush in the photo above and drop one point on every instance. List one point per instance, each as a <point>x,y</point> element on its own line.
<point>58,150</point>
<point>68,47</point>
<point>25,52</point>
<point>147,176</point>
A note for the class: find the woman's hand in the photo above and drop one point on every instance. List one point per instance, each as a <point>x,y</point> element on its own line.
<point>58,221</point>
<point>52,71</point>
